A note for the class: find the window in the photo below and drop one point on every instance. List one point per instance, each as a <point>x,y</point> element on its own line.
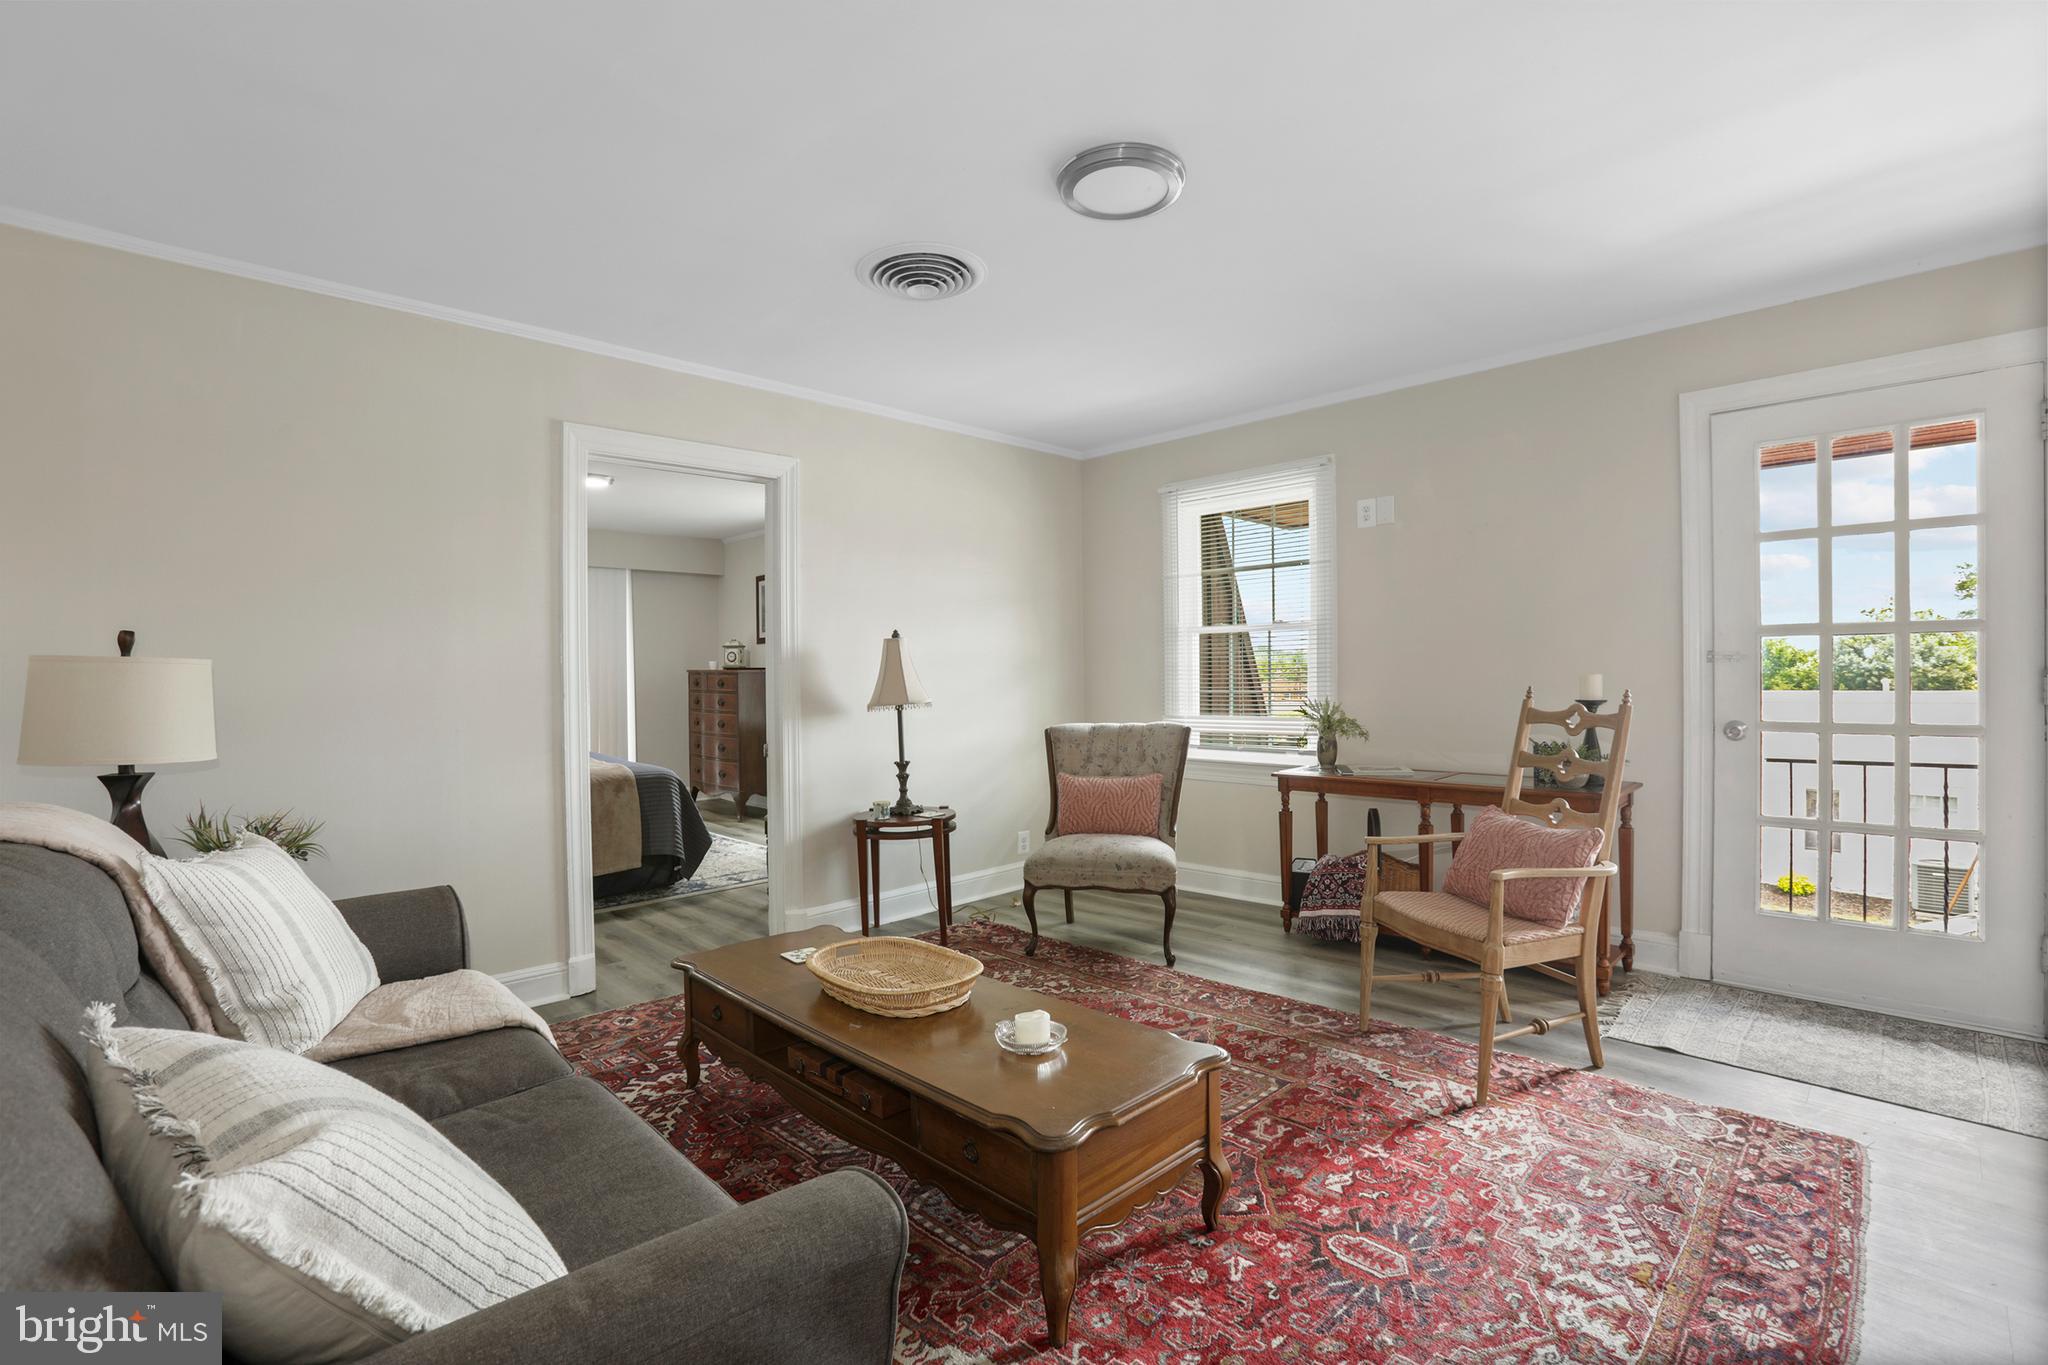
<point>1250,618</point>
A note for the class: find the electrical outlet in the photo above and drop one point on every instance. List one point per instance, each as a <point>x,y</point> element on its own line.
<point>1368,513</point>
<point>1023,841</point>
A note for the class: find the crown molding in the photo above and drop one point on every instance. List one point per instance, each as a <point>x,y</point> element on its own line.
<point>249,270</point>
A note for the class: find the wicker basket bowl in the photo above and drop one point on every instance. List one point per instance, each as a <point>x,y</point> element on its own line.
<point>900,978</point>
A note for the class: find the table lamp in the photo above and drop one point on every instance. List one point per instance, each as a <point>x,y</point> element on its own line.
<point>92,709</point>
<point>896,687</point>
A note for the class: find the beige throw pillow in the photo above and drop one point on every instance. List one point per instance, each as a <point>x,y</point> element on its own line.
<point>277,962</point>
<point>333,1220</point>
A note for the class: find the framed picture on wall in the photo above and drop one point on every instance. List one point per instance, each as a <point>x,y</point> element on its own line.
<point>760,609</point>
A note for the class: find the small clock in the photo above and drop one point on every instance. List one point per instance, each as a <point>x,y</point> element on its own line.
<point>733,654</point>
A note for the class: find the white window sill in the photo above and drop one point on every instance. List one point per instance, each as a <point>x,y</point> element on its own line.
<point>1252,770</point>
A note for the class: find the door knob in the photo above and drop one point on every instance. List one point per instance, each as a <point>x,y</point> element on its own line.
<point>1735,729</point>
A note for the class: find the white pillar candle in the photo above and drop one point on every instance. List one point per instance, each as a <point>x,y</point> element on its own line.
<point>1590,685</point>
<point>1032,1028</point>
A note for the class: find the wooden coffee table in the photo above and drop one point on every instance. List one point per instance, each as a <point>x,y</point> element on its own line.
<point>1051,1146</point>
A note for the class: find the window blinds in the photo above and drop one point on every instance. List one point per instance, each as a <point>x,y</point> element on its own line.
<point>1250,610</point>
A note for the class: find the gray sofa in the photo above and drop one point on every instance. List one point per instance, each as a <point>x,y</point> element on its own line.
<point>663,1265</point>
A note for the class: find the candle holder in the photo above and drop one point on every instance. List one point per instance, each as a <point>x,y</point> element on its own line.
<point>1590,749</point>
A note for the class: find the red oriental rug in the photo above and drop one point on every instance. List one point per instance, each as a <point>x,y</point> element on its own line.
<point>1373,1216</point>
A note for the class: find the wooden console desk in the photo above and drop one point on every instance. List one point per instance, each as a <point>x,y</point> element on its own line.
<point>1459,790</point>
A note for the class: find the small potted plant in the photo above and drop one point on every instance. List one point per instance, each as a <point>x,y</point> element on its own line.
<point>1332,722</point>
<point>206,833</point>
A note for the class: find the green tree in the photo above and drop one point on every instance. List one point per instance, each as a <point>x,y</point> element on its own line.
<point>1942,660</point>
<point>1788,668</point>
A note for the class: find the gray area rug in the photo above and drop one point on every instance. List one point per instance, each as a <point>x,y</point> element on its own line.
<point>1982,1077</point>
<point>728,863</point>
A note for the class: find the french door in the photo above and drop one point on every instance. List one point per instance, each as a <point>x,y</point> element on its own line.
<point>1879,809</point>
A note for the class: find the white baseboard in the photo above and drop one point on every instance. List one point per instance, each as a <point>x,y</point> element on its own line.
<point>1260,888</point>
<point>908,902</point>
<point>1657,953</point>
<point>542,985</point>
<point>1696,955</point>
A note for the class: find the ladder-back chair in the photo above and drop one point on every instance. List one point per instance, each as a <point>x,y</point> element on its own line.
<point>1486,935</point>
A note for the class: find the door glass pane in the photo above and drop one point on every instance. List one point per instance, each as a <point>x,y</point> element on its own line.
<point>1791,771</point>
<point>1943,481</point>
<point>1784,487</point>
<point>1944,793</point>
<point>1789,571</point>
<point>1948,885</point>
<point>1945,678</point>
<point>1864,585</point>
<point>1865,673</point>
<point>1864,785</point>
<point>1860,879</point>
<point>1787,868</point>
<point>1860,474</point>
<point>1944,573</point>
<point>1790,675</point>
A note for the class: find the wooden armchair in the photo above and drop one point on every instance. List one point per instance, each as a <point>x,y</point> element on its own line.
<point>1488,936</point>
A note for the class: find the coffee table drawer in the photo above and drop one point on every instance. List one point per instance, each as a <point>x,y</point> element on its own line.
<point>722,1015</point>
<point>989,1160</point>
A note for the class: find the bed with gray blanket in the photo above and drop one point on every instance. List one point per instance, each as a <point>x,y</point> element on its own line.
<point>670,839</point>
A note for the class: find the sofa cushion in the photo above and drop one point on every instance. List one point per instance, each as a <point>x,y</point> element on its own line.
<point>72,916</point>
<point>1116,862</point>
<point>65,1225</point>
<point>593,1174</point>
<point>436,1079</point>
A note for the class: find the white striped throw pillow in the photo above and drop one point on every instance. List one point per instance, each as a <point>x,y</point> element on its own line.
<point>276,959</point>
<point>333,1220</point>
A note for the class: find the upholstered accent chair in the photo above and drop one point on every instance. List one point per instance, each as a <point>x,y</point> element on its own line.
<point>1486,935</point>
<point>1138,863</point>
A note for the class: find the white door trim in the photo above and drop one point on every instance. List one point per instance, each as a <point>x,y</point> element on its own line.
<point>580,444</point>
<point>1696,411</point>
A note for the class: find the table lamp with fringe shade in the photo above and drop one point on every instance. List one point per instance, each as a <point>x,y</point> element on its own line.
<point>896,687</point>
<point>82,710</point>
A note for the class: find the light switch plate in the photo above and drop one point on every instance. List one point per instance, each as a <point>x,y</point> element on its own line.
<point>1368,513</point>
<point>1384,513</point>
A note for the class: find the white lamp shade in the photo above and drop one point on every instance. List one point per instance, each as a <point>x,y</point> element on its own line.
<point>897,684</point>
<point>97,709</point>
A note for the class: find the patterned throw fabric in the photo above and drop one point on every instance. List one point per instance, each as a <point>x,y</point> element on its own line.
<point>1499,840</point>
<point>333,1219</point>
<point>279,962</point>
<point>1109,805</point>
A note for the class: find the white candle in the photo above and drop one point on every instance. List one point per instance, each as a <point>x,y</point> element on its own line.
<point>1032,1028</point>
<point>1590,685</point>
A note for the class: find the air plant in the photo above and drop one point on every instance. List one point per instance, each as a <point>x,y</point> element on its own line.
<point>204,833</point>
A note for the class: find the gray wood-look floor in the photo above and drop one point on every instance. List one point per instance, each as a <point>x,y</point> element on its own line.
<point>1957,1255</point>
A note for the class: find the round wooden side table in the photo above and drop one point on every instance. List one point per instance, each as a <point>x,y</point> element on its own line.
<point>870,832</point>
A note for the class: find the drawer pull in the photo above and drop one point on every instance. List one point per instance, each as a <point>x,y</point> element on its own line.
<point>971,1153</point>
<point>718,1013</point>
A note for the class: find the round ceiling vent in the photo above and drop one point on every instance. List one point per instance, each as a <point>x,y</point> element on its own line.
<point>921,271</point>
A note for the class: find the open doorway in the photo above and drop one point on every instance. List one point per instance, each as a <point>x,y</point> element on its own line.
<point>678,762</point>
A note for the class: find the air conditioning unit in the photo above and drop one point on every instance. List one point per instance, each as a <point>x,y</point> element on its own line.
<point>1935,885</point>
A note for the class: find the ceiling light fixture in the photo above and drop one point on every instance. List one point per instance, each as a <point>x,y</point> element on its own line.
<point>597,482</point>
<point>1120,180</point>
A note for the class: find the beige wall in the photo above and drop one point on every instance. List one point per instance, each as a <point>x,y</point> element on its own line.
<point>744,558</point>
<point>355,513</point>
<point>660,554</point>
<point>1519,492</point>
<point>675,629</point>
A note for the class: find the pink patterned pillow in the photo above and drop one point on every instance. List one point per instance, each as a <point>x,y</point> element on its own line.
<point>1109,805</point>
<point>1500,840</point>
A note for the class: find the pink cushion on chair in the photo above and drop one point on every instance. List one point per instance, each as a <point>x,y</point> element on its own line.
<point>1498,840</point>
<point>1109,805</point>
